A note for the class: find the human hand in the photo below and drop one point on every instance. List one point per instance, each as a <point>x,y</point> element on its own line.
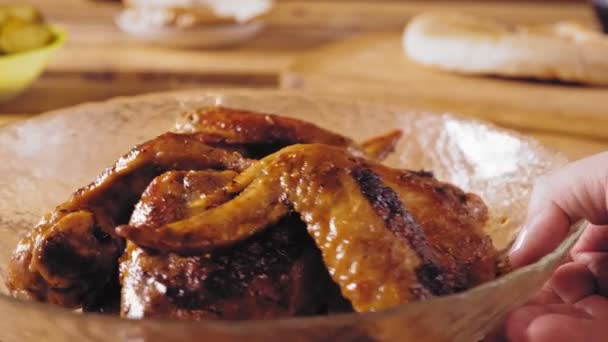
<point>572,306</point>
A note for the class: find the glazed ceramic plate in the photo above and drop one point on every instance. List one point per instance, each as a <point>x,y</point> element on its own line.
<point>45,159</point>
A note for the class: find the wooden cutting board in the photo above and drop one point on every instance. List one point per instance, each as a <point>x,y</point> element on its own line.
<point>375,66</point>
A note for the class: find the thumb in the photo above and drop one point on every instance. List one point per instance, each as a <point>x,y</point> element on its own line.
<point>579,190</point>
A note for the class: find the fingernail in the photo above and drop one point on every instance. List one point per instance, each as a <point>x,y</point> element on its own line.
<point>519,242</point>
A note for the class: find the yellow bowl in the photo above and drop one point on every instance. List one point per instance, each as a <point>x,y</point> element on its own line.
<point>19,70</point>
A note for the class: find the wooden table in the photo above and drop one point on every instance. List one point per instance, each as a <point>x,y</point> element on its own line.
<point>100,62</point>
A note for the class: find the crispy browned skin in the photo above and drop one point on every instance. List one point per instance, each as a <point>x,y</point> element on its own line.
<point>387,236</point>
<point>70,256</point>
<point>263,134</point>
<point>452,221</point>
<point>234,126</point>
<point>278,273</point>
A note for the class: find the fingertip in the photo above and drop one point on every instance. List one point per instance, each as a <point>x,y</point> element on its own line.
<point>578,190</point>
<point>517,255</point>
<point>541,235</point>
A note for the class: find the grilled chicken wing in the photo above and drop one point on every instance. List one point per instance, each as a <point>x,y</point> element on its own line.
<point>387,236</point>
<point>308,229</point>
<point>277,273</point>
<point>256,135</point>
<point>69,258</point>
<point>71,254</point>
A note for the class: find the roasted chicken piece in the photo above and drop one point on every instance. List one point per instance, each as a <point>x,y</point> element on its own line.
<point>257,135</point>
<point>277,273</point>
<point>70,257</point>
<point>387,236</point>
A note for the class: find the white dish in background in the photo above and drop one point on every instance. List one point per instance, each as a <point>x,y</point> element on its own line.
<point>237,10</point>
<point>196,37</point>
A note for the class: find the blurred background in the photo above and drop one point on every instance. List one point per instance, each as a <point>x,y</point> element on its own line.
<point>100,59</point>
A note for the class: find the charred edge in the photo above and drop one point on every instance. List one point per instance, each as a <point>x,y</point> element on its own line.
<point>401,223</point>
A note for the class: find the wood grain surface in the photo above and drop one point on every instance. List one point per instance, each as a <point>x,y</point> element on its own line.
<point>100,62</point>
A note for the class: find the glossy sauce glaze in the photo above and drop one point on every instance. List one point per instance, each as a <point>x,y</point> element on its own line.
<point>252,216</point>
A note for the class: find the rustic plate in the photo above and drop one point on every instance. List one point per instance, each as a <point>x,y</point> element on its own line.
<point>45,159</point>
